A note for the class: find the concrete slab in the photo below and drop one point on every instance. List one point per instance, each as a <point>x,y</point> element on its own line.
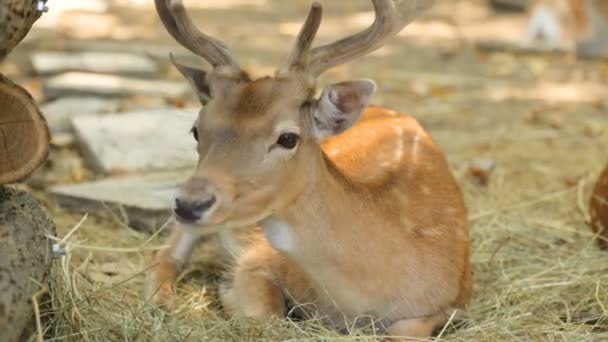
<point>145,200</point>
<point>82,83</point>
<point>58,113</point>
<point>149,140</point>
<point>53,62</point>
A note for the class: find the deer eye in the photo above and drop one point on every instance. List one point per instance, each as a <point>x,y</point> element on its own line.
<point>288,140</point>
<point>194,132</point>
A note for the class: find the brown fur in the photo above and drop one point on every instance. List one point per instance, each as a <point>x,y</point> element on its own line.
<point>359,221</point>
<point>579,19</point>
<point>378,223</point>
<point>598,209</point>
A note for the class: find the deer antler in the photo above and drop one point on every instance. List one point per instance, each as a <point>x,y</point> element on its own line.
<point>306,36</point>
<point>391,17</point>
<point>179,24</point>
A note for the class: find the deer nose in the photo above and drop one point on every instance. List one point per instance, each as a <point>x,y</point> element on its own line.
<point>192,211</point>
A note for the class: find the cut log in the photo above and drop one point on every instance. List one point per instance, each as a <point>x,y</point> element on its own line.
<point>25,261</point>
<point>598,209</point>
<point>24,135</point>
<point>16,19</point>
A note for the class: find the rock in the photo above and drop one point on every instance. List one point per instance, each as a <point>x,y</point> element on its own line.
<point>63,166</point>
<point>58,10</point>
<point>510,5</point>
<point>480,170</point>
<point>159,52</point>
<point>63,140</point>
<point>137,141</point>
<point>598,209</point>
<point>53,62</point>
<point>81,83</point>
<point>58,113</point>
<point>25,261</point>
<point>146,199</point>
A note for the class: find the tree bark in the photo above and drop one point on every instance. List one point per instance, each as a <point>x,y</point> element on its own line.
<point>16,19</point>
<point>25,261</point>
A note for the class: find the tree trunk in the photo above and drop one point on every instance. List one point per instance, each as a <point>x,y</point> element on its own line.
<point>25,261</point>
<point>16,19</point>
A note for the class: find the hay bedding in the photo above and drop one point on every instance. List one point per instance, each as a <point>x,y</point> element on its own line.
<point>538,274</point>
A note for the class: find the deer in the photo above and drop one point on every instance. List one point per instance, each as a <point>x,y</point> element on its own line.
<point>352,208</point>
<point>574,25</point>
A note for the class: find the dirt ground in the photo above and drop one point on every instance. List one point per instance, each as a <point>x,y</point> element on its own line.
<point>542,118</point>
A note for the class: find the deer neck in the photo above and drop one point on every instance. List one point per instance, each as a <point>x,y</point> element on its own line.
<point>318,219</point>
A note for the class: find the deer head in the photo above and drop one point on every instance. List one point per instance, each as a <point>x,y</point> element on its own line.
<point>259,140</point>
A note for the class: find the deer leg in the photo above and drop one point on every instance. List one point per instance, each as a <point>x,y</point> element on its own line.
<point>255,292</point>
<point>169,263</point>
<point>415,328</point>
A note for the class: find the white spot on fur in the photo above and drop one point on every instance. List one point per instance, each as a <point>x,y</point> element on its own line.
<point>399,147</point>
<point>279,233</point>
<point>183,248</point>
<point>451,210</point>
<point>333,152</point>
<point>544,26</point>
<point>416,147</point>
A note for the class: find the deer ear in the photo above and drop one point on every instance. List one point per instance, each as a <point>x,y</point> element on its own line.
<point>340,106</point>
<point>197,78</point>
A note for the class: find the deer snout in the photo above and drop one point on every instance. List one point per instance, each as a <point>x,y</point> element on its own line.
<point>188,210</point>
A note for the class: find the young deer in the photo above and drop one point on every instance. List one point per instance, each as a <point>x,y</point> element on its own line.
<point>580,25</point>
<point>359,211</point>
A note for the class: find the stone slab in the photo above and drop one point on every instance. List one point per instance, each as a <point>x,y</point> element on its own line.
<point>53,62</point>
<point>145,140</point>
<point>58,113</point>
<point>147,199</point>
<point>156,51</point>
<point>82,83</point>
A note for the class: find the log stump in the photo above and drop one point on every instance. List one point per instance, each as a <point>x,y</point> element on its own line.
<point>598,209</point>
<point>24,135</point>
<point>25,261</point>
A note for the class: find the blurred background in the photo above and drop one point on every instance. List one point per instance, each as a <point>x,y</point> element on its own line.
<point>524,126</point>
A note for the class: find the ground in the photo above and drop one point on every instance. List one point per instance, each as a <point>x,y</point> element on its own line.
<point>543,119</point>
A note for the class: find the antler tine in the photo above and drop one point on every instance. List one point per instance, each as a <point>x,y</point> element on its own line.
<point>179,24</point>
<point>301,51</point>
<point>391,17</point>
